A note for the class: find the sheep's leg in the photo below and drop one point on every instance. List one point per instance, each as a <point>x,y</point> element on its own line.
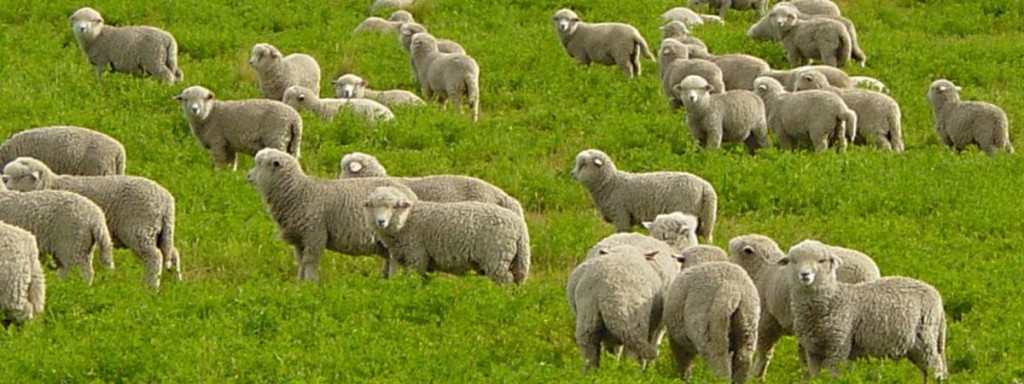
<point>828,56</point>
<point>714,138</point>
<point>675,104</point>
<point>221,156</point>
<point>499,272</point>
<point>98,70</point>
<point>794,57</point>
<point>588,339</point>
<point>684,359</point>
<point>622,221</point>
<point>724,7</point>
<point>311,253</point>
<point>768,333</point>
<point>820,141</point>
<point>614,348</point>
<point>297,250</point>
<point>786,142</point>
<point>67,258</point>
<point>144,246</point>
<point>700,136</point>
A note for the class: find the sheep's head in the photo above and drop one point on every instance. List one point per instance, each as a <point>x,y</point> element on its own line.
<point>764,29</point>
<point>591,166</point>
<point>26,174</point>
<point>297,96</point>
<point>269,164</point>
<point>677,229</point>
<point>86,23</point>
<point>784,17</point>
<point>388,208</point>
<point>754,251</point>
<point>674,28</point>
<point>406,31</point>
<point>262,54</point>
<point>809,79</point>
<point>700,254</point>
<point>349,86</point>
<point>566,21</point>
<point>943,90</point>
<point>810,262</point>
<point>764,86</point>
<point>694,90</point>
<point>672,50</point>
<point>401,16</point>
<point>423,42</point>
<point>195,102</point>
<point>358,164</point>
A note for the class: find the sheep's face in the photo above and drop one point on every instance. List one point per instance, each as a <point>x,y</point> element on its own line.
<point>943,90</point>
<point>195,102</point>
<point>349,87</point>
<point>591,166</point>
<point>23,174</point>
<point>784,17</point>
<point>677,229</point>
<point>694,90</point>
<point>810,262</point>
<point>267,164</point>
<point>263,54</point>
<point>566,21</point>
<point>86,23</point>
<point>387,208</point>
<point>809,79</point>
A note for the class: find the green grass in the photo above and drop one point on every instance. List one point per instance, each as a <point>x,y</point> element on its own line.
<point>952,220</point>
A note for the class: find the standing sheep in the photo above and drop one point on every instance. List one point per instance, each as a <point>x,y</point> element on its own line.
<point>739,70</point>
<point>733,116</point>
<point>740,5</point>
<point>391,24</point>
<point>278,72</point>
<point>407,30</point>
<point>602,43</point>
<point>446,76</point>
<point>677,229</point>
<point>962,123</point>
<point>22,283</point>
<point>768,29</point>
<point>675,65</point>
<point>139,50</point>
<point>350,86</point>
<point>814,38</point>
<point>817,116</point>
<point>626,199</point>
<point>67,150</point>
<point>689,17</point>
<point>878,115</point>
<point>299,97</point>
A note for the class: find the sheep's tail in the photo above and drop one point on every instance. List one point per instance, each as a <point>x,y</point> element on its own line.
<point>855,53</point>
<point>720,321</point>
<point>642,47</point>
<point>473,94</point>
<point>294,138</point>
<point>707,214</point>
<point>37,288</point>
<point>101,236</point>
<point>165,240</point>
<point>896,132</point>
<point>520,266</point>
<point>849,120</point>
<point>845,49</point>
<point>511,203</point>
<point>1003,137</point>
<point>172,60</point>
<point>869,82</point>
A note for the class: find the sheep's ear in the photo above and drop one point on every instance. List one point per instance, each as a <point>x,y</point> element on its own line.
<point>302,97</point>
<point>784,261</point>
<point>709,88</point>
<point>4,178</point>
<point>678,88</point>
<point>404,204</point>
<point>276,163</point>
<point>650,255</point>
<point>209,96</point>
<point>683,230</point>
<point>363,83</point>
<point>748,250</point>
<point>598,162</point>
<point>808,77</point>
<point>679,258</point>
<point>275,54</point>
<point>178,97</point>
<point>943,88</point>
<point>355,167</point>
<point>763,87</point>
<point>602,251</point>
<point>34,175</point>
<point>575,20</point>
<point>647,224</point>
<point>835,262</point>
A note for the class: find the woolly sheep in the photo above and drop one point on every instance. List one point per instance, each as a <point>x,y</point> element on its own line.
<point>878,115</point>
<point>603,43</point>
<point>712,308</point>
<point>139,212</point>
<point>351,86</point>
<point>454,76</point>
<point>817,116</point>
<point>812,38</point>
<point>313,214</point>
<point>689,17</point>
<point>407,30</point>
<point>386,4</point>
<point>739,70</point>
<point>626,199</point>
<point>740,5</point>
<point>962,123</point>
<point>391,24</point>
<point>300,97</point>
<point>225,128</point>
<point>278,72</point>
<point>835,76</point>
<point>734,116</point>
<point>22,283</point>
<point>677,229</point>
<point>678,31</point>
<point>675,65</point>
<point>768,29</point>
<point>67,150</point>
<point>658,251</point>
<point>450,237</point>
<point>435,188</point>
<point>137,50</point>
<point>892,317</point>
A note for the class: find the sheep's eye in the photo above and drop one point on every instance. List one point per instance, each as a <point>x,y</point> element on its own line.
<point>822,261</point>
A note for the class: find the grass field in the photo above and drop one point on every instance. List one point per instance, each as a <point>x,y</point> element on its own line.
<point>952,220</point>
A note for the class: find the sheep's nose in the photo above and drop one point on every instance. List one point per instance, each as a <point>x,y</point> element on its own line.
<point>382,223</point>
<point>346,94</point>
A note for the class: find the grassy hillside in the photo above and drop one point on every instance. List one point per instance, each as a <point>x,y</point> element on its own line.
<point>953,220</point>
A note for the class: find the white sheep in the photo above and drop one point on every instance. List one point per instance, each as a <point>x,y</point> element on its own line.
<point>67,150</point>
<point>626,199</point>
<point>739,70</point>
<point>350,86</point>
<point>300,97</point>
<point>892,317</point>
<point>768,28</point>
<point>689,17</point>
<point>407,30</point>
<point>225,128</point>
<point>734,116</point>
<point>444,76</point>
<point>278,72</point>
<point>677,30</point>
<point>878,115</point>
<point>602,43</point>
<point>675,65</point>
<point>962,123</point>
<point>724,5</point>
<point>138,50</point>
<point>450,237</point>
<point>677,229</point>
<point>391,24</point>
<point>812,38</point>
<point>815,116</point>
<point>22,283</point>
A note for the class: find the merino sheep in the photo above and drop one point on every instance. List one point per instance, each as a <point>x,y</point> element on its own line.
<point>689,17</point>
<point>678,31</point>
<point>626,199</point>
<point>22,283</point>
<point>677,229</point>
<point>734,116</point>
<point>878,115</point>
<point>892,317</point>
<point>350,86</point>
<point>962,123</point>
<point>675,65</point>
<point>817,116</point>
<point>137,50</point>
<point>278,72</point>
<point>391,24</point>
<point>768,28</point>
<point>300,97</point>
<point>139,212</point>
<point>450,237</point>
<point>225,128</point>
<point>67,150</point>
<point>602,43</point>
<point>812,38</point>
<point>407,30</point>
<point>446,76</point>
<point>740,5</point>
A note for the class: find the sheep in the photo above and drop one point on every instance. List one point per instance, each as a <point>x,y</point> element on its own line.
<point>300,97</point>
<point>602,43</point>
<point>740,5</point>
<point>450,237</point>
<point>734,116</point>
<point>225,128</point>
<point>67,150</point>
<point>815,7</point>
<point>435,188</point>
<point>712,308</point>
<point>676,229</point>
<point>739,70</point>
<point>962,123</point>
<point>351,86</point>
<point>22,283</point>
<point>446,75</point>
<point>818,116</point>
<point>407,30</point>
<point>675,64</point>
<point>835,76</point>
<point>137,50</point>
<point>812,38</point>
<point>892,317</point>
<point>768,28</point>
<point>689,17</point>
<point>391,24</point>
<point>277,72</point>
<point>759,255</point>
<point>878,115</point>
<point>313,214</point>
<point>139,212</point>
<point>379,5</point>
<point>625,199</point>
<point>678,31</point>
<point>658,251</point>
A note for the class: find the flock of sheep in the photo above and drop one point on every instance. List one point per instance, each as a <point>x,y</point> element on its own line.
<point>65,191</point>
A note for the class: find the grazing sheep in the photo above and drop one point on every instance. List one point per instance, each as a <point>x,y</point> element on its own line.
<point>602,43</point>
<point>768,29</point>
<point>407,30</point>
<point>677,229</point>
<point>878,115</point>
<point>450,237</point>
<point>812,38</point>
<point>454,76</point>
<point>22,283</point>
<point>675,65</point>
<point>67,150</point>
<point>678,31</point>
<point>350,86</point>
<point>739,70</point>
<point>139,212</point>
<point>962,123</point>
<point>391,24</point>
<point>225,128</point>
<point>626,199</point>
<point>379,5</point>
<point>278,72</point>
<point>300,97</point>
<point>892,317</point>
<point>740,5</point>
<point>138,50</point>
<point>689,17</point>
<point>817,116</point>
<point>734,116</point>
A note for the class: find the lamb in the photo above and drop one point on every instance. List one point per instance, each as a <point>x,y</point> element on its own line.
<point>391,24</point>
<point>892,317</point>
<point>734,116</point>
<point>446,75</point>
<point>626,199</point>
<point>814,38</point>
<point>300,97</point>
<point>137,50</point>
<point>22,283</point>
<point>139,212</point>
<point>787,115</point>
<point>878,115</point>
<point>768,29</point>
<point>379,5</point>
<point>678,31</point>
<point>675,64</point>
<point>278,72</point>
<point>225,128</point>
<point>435,188</point>
<point>602,43</point>
<point>712,308</point>
<point>67,150</point>
<point>740,5</point>
<point>313,214</point>
<point>407,30</point>
<point>676,229</point>
<point>351,86</point>
<point>689,17</point>
<point>450,237</point>
<point>962,123</point>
